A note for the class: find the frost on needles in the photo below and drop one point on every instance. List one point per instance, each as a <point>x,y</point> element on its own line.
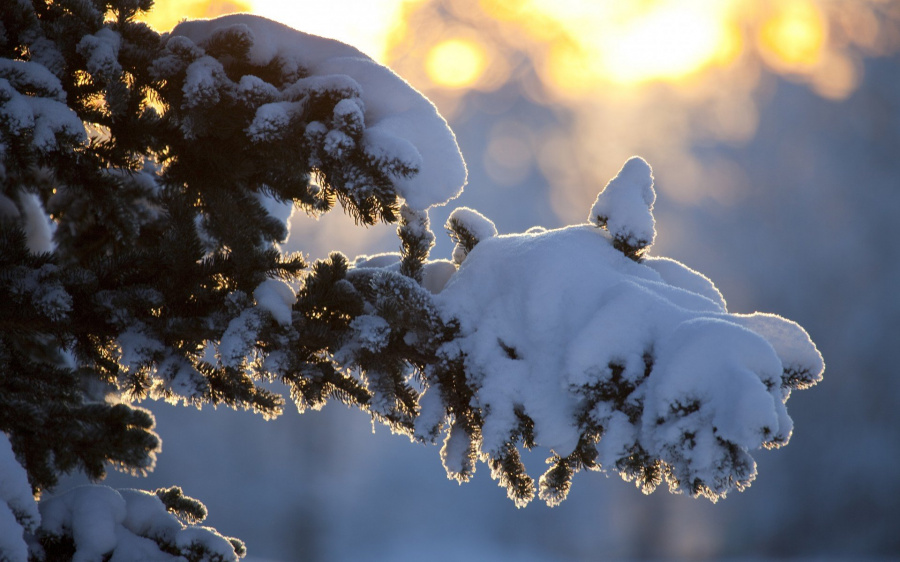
<point>147,183</point>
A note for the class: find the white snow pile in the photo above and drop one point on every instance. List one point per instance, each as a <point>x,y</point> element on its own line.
<point>35,221</point>
<point>566,328</point>
<point>98,522</point>
<point>33,105</point>
<point>274,299</point>
<point>101,51</point>
<point>18,510</point>
<point>127,526</point>
<point>400,123</point>
<point>435,273</point>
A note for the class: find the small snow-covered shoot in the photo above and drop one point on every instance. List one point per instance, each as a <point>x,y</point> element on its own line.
<point>625,208</point>
<point>467,227</point>
<point>416,240</point>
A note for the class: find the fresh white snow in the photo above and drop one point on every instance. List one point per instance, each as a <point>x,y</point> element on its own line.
<point>275,297</point>
<point>18,510</point>
<point>400,122</point>
<point>549,315</point>
<point>42,111</point>
<point>625,205</point>
<point>126,525</point>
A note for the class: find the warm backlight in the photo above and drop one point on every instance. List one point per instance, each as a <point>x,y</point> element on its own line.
<point>795,34</point>
<point>583,43</point>
<point>637,41</point>
<point>167,13</point>
<point>455,63</point>
<point>365,24</point>
<point>666,43</point>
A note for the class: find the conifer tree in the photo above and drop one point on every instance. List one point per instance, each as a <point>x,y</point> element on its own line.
<point>147,182</point>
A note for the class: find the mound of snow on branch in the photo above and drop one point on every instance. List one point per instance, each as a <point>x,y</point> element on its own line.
<point>637,357</point>
<point>400,122</point>
<point>18,510</point>
<point>107,524</point>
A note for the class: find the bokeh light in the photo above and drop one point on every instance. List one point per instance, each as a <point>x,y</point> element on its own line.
<point>634,42</point>
<point>651,77</point>
<point>579,46</point>
<point>455,63</point>
<point>795,34</point>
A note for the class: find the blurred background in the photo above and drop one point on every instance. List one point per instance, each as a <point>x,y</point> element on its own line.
<point>773,128</point>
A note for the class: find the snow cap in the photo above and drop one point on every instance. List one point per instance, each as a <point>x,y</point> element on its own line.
<point>624,207</point>
<point>467,227</point>
<point>400,122</point>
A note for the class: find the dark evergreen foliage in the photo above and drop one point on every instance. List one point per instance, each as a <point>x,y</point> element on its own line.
<point>161,239</point>
<point>186,508</point>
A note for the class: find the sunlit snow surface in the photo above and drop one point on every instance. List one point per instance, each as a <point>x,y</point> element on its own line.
<point>545,317</point>
<point>564,327</point>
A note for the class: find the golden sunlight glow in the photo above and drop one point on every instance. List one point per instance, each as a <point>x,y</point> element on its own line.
<point>365,24</point>
<point>622,42</point>
<point>577,45</point>
<point>167,13</point>
<point>636,42</point>
<point>667,43</point>
<point>795,35</point>
<point>455,63</point>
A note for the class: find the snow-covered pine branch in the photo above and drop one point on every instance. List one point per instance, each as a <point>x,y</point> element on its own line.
<point>147,182</point>
<point>96,522</point>
<point>358,127</point>
<point>577,341</point>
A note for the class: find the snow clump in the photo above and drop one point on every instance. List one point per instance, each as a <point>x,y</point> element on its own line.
<point>106,524</point>
<point>401,124</point>
<point>624,207</point>
<point>18,510</point>
<point>574,341</point>
<point>467,227</point>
